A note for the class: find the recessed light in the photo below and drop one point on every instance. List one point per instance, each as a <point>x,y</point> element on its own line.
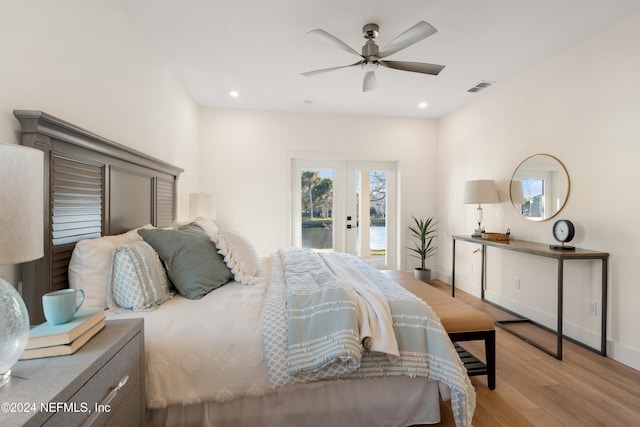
<point>234,94</point>
<point>423,104</point>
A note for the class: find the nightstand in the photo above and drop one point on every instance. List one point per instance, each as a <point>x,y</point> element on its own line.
<point>101,384</point>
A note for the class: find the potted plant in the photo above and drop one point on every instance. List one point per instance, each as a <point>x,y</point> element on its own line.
<point>423,231</point>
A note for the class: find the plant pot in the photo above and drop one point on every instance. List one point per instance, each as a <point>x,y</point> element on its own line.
<point>422,274</point>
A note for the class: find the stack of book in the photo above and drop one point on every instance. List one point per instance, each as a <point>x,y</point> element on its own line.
<point>47,340</point>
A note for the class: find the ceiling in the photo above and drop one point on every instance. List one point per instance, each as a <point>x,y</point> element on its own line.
<point>259,48</point>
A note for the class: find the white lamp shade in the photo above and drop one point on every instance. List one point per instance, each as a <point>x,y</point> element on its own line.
<point>480,191</point>
<point>202,204</point>
<point>21,204</point>
<point>21,239</point>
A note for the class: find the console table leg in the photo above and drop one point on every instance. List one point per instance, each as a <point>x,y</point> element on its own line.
<point>483,271</point>
<point>603,310</point>
<point>560,307</point>
<point>453,271</point>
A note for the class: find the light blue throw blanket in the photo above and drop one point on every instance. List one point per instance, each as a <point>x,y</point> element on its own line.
<point>311,331</point>
<point>322,326</point>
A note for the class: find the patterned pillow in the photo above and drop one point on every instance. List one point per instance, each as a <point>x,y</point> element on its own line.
<point>239,255</point>
<point>91,266</point>
<point>139,281</point>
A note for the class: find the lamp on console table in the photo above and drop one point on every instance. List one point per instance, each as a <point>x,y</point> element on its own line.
<point>21,240</point>
<point>480,191</point>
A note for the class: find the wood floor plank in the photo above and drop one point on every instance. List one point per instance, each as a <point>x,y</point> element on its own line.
<point>535,389</point>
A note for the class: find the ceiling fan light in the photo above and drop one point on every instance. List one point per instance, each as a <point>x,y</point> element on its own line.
<point>369,66</point>
<point>369,83</point>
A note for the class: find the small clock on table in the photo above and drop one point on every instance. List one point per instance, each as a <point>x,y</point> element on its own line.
<point>563,232</point>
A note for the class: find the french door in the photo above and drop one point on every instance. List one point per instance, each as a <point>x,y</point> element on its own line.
<point>347,206</point>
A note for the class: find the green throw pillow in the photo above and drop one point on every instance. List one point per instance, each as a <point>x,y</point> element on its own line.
<point>191,259</point>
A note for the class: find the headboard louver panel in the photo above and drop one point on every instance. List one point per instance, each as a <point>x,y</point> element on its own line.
<point>60,256</point>
<point>87,183</point>
<point>76,201</point>
<point>165,202</point>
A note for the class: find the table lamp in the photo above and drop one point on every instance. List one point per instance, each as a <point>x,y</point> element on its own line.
<point>21,240</point>
<point>480,191</point>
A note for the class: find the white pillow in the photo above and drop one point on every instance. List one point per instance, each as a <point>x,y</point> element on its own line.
<point>91,266</point>
<point>206,224</point>
<point>139,281</point>
<point>239,255</point>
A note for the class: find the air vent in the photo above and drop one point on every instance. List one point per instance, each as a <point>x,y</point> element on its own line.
<point>480,86</point>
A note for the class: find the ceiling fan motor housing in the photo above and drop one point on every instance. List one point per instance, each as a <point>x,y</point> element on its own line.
<point>370,48</point>
<point>370,31</point>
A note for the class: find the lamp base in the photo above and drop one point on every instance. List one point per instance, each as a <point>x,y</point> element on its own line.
<point>477,232</point>
<point>4,378</point>
<point>15,328</point>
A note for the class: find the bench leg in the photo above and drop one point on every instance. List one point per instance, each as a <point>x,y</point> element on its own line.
<point>490,353</point>
<point>489,338</point>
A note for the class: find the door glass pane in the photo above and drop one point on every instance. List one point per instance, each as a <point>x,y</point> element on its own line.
<point>317,209</point>
<point>371,236</point>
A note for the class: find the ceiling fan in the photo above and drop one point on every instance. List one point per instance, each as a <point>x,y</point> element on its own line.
<point>372,57</point>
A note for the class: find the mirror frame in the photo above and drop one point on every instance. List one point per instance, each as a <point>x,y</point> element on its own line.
<point>566,198</point>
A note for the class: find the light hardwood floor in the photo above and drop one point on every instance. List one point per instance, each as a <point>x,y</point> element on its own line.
<point>535,389</point>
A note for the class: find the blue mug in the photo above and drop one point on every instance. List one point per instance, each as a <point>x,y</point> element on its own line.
<point>61,306</point>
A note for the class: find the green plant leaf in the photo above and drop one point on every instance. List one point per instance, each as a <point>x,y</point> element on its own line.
<point>423,231</point>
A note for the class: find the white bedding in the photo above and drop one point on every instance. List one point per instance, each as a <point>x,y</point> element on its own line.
<point>190,355</point>
<point>206,366</point>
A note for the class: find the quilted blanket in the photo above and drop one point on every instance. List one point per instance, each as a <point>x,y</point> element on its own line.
<point>424,347</point>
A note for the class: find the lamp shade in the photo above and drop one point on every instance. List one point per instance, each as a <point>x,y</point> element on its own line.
<point>202,204</point>
<point>21,204</point>
<point>480,191</point>
<point>21,239</point>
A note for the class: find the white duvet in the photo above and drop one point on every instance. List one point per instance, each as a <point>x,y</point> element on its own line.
<point>190,358</point>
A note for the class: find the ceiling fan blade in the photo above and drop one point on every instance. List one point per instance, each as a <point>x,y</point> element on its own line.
<point>333,39</point>
<point>416,67</point>
<point>369,83</point>
<point>326,70</point>
<point>413,35</point>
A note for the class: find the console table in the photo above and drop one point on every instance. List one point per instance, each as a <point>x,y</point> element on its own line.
<point>540,249</point>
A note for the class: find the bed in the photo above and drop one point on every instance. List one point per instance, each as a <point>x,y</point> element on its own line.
<point>244,353</point>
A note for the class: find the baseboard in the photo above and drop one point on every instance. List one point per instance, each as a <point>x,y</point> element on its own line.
<point>469,287</point>
<point>623,354</point>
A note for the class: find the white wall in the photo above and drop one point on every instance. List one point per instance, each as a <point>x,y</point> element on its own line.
<point>583,107</point>
<point>245,163</point>
<point>85,63</point>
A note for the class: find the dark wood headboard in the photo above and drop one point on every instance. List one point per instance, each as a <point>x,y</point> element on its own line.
<point>93,187</point>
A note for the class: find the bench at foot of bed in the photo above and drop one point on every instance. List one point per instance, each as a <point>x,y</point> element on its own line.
<point>461,321</point>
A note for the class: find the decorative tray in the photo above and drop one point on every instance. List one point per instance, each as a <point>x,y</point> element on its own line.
<point>497,237</point>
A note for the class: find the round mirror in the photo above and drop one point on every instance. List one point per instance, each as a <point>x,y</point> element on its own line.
<point>539,187</point>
